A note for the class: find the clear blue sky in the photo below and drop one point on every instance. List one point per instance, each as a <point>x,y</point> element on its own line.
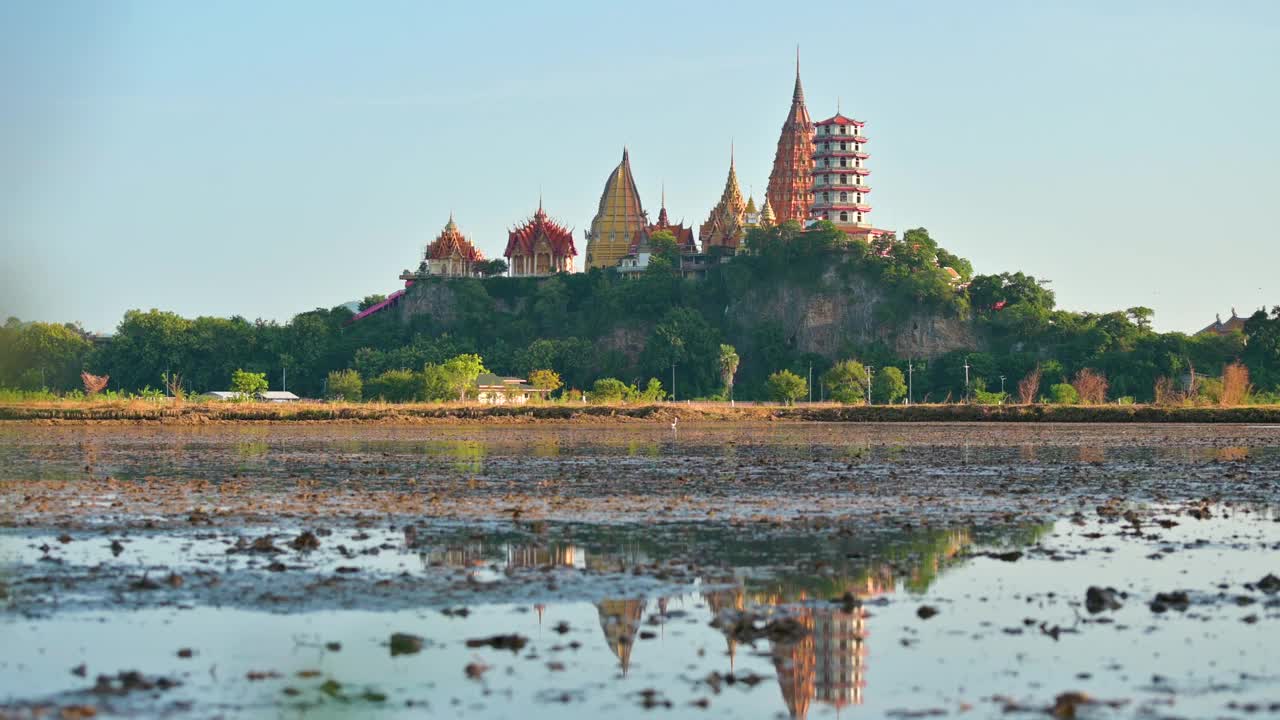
<point>264,159</point>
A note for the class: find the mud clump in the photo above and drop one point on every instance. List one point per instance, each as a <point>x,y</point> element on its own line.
<point>306,541</point>
<point>749,627</point>
<point>511,642</point>
<point>405,644</point>
<point>1097,599</point>
<point>1177,600</point>
<point>128,681</point>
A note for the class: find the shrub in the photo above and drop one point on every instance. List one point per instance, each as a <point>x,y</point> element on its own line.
<point>1091,386</point>
<point>1063,394</point>
<point>396,386</point>
<point>344,385</point>
<point>93,384</point>
<point>786,387</point>
<point>1029,387</point>
<point>982,397</point>
<point>606,390</point>
<point>1235,384</point>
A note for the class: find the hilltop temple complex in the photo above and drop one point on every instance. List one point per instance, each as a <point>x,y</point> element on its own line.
<point>819,174</point>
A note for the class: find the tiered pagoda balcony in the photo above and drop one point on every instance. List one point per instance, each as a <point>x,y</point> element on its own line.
<point>862,188</point>
<point>860,171</point>
<point>859,138</point>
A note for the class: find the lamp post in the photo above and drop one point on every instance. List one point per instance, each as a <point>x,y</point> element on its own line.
<point>1001,384</point>
<point>868,368</point>
<point>673,382</point>
<point>810,383</point>
<point>966,377</point>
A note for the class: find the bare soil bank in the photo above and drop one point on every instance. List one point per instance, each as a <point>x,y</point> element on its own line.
<point>202,413</point>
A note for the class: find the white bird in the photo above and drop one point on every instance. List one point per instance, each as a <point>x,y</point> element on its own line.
<point>674,422</point>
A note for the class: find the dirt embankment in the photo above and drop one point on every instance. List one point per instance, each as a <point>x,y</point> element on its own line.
<point>202,413</point>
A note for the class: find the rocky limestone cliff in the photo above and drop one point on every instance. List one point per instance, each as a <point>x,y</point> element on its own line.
<point>827,315</point>
<point>837,311</point>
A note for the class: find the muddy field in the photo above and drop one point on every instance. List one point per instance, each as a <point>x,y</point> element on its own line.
<point>582,569</point>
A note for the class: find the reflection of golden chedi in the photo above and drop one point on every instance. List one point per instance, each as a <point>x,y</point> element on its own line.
<point>620,620</point>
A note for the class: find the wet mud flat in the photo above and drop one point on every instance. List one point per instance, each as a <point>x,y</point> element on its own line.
<point>797,570</point>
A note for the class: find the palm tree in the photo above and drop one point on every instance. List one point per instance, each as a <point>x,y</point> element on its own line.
<point>728,367</point>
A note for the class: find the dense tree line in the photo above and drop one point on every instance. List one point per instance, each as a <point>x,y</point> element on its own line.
<point>594,325</point>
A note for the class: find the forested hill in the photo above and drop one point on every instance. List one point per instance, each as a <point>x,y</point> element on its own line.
<point>798,301</point>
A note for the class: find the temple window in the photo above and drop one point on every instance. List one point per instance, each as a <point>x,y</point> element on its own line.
<point>844,197</point>
<point>844,179</point>
<point>843,162</point>
<point>844,216</point>
<point>824,197</point>
<point>843,146</point>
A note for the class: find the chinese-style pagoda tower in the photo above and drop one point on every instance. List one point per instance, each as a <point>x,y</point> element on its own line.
<point>618,220</point>
<point>541,246</point>
<point>684,235</point>
<point>789,191</point>
<point>840,177</point>
<point>451,254</point>
<point>726,225</point>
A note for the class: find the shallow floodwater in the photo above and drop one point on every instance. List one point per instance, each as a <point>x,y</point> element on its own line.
<point>794,571</point>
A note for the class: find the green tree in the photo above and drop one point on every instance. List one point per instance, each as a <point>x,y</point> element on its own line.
<point>846,382</point>
<point>728,361</point>
<point>344,385</point>
<point>453,379</point>
<point>370,300</point>
<point>888,386</point>
<point>43,355</point>
<point>397,386</point>
<point>786,387</point>
<point>548,380</point>
<point>663,244</point>
<point>492,268</point>
<point>248,384</point>
<point>1063,394</point>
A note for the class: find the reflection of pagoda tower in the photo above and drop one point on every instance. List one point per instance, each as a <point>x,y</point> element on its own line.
<point>721,600</point>
<point>839,655</point>
<point>794,664</point>
<point>620,620</point>
<point>536,556</point>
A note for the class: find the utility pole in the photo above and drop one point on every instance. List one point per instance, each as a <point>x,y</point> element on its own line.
<point>868,368</point>
<point>966,377</point>
<point>810,383</point>
<point>673,382</point>
<point>1001,384</point>
<point>284,377</point>
<point>910,387</point>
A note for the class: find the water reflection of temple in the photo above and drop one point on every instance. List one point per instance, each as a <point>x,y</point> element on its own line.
<point>620,620</point>
<point>508,556</point>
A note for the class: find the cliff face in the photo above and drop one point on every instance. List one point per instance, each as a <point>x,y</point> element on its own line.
<point>828,315</point>
<point>831,313</point>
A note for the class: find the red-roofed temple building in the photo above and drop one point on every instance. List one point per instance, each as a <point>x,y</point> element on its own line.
<point>540,247</point>
<point>451,254</point>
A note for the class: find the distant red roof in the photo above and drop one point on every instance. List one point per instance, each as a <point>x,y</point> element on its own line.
<point>839,119</point>
<point>451,242</point>
<point>522,240</point>
<point>684,235</point>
